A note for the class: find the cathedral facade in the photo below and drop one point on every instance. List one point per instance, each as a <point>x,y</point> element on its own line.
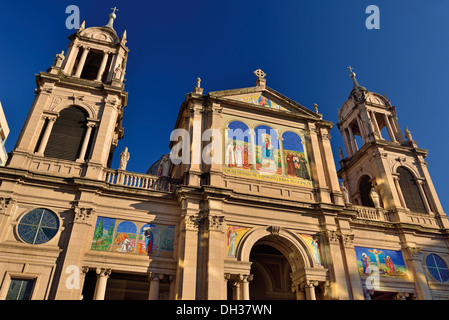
<point>248,205</point>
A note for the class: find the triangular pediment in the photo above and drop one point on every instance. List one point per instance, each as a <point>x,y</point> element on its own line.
<point>266,98</point>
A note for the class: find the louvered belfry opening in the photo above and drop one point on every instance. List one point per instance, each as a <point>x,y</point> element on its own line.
<point>410,191</point>
<point>364,190</point>
<point>67,135</point>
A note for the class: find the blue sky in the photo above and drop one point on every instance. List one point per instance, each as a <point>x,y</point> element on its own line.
<point>304,47</point>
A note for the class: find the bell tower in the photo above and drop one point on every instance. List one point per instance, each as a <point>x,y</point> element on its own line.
<point>75,122</point>
<point>383,168</point>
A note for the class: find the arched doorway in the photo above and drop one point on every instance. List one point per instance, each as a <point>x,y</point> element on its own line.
<point>271,274</point>
<point>278,264</point>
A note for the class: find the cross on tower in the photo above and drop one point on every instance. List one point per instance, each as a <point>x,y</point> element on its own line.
<point>350,68</point>
<point>114,10</point>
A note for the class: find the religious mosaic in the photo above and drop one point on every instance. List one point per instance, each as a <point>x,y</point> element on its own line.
<point>313,244</point>
<point>388,263</point>
<point>262,101</point>
<point>233,236</point>
<point>259,154</point>
<point>129,237</point>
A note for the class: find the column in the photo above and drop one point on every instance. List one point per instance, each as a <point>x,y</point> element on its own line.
<point>420,184</point>
<point>390,130</point>
<point>399,191</point>
<point>102,280</point>
<point>253,149</point>
<point>236,290</point>
<point>214,233</point>
<point>154,285</point>
<point>245,279</point>
<point>86,140</point>
<point>398,129</point>
<point>414,261</point>
<point>352,140</point>
<point>317,165</point>
<point>376,125</point>
<point>309,288</point>
<point>362,129</point>
<point>50,122</point>
<point>188,242</point>
<point>172,288</point>
<point>81,63</point>
<point>347,143</point>
<point>102,66</point>
<point>299,290</point>
<point>329,165</point>
<point>281,150</point>
<point>70,60</point>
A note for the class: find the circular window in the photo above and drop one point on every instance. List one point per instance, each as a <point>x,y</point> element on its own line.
<point>437,268</point>
<point>38,226</point>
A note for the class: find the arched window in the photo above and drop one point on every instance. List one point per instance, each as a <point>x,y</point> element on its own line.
<point>238,146</point>
<point>364,190</point>
<point>296,163</point>
<point>410,191</point>
<point>67,135</point>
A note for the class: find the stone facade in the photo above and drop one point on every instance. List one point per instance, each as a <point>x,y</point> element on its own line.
<point>265,218</point>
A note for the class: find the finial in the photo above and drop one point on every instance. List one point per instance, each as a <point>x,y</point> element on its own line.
<point>315,106</point>
<point>112,17</point>
<point>82,26</point>
<point>198,88</point>
<point>355,84</point>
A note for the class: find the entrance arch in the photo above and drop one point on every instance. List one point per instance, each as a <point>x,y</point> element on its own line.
<point>295,265</point>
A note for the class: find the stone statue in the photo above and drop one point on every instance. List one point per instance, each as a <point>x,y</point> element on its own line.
<point>198,83</point>
<point>345,193</point>
<point>340,152</point>
<point>59,59</point>
<point>124,158</point>
<point>408,134</point>
<point>118,72</point>
<point>375,197</point>
<point>315,106</point>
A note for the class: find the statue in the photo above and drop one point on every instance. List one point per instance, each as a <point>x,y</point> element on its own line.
<point>118,72</point>
<point>124,158</point>
<point>59,59</point>
<point>375,197</point>
<point>340,152</point>
<point>408,134</point>
<point>345,193</point>
<point>315,106</point>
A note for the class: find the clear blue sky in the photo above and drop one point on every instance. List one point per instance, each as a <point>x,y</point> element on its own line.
<point>304,47</point>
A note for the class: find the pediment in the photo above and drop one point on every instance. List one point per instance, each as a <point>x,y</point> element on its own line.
<point>100,33</point>
<point>266,98</point>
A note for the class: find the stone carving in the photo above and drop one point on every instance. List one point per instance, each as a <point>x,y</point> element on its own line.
<point>82,214</point>
<point>59,59</point>
<point>124,158</point>
<point>275,230</point>
<point>340,153</point>
<point>408,134</point>
<point>260,74</point>
<point>345,193</point>
<point>375,197</point>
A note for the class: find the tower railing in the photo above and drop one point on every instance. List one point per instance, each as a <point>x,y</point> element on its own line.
<point>369,213</point>
<point>138,180</point>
